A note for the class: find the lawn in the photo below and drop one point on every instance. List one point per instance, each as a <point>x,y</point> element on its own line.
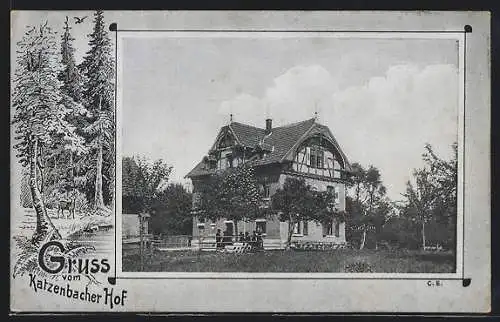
<point>338,261</point>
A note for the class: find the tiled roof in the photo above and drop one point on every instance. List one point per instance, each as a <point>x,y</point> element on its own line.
<point>283,138</point>
<point>247,135</point>
<point>280,141</point>
<point>200,169</point>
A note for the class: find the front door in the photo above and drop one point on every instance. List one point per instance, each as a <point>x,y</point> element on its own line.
<point>230,228</point>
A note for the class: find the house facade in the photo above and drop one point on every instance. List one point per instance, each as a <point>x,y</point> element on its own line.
<point>305,149</point>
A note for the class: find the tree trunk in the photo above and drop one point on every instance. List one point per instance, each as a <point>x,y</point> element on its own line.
<point>72,167</point>
<point>98,197</point>
<point>40,171</point>
<point>423,234</point>
<point>44,225</point>
<point>363,240</point>
<point>236,229</point>
<point>290,232</point>
<point>112,186</point>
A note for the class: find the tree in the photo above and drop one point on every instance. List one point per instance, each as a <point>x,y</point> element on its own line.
<point>401,232</point>
<point>325,210</point>
<point>98,91</point>
<point>421,197</point>
<point>68,175</point>
<point>40,115</point>
<point>70,75</point>
<point>239,195</point>
<point>206,201</point>
<point>445,174</point>
<point>132,202</point>
<point>294,202</point>
<point>432,197</point>
<point>143,181</point>
<point>171,211</point>
<point>232,194</point>
<point>369,205</point>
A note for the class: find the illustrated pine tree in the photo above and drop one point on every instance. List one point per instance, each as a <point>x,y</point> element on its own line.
<point>98,96</point>
<point>63,166</point>
<point>40,116</point>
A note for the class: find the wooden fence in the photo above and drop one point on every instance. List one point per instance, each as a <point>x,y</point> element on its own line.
<point>172,242</point>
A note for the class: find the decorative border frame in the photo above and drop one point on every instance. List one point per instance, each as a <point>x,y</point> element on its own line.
<point>460,35</point>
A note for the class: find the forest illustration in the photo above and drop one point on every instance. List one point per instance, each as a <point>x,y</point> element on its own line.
<point>64,136</point>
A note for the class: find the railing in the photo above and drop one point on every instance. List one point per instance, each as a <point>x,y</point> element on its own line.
<point>321,174</point>
<point>220,242</point>
<point>136,238</point>
<point>177,241</point>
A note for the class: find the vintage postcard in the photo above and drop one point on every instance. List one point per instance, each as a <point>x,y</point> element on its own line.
<point>250,161</point>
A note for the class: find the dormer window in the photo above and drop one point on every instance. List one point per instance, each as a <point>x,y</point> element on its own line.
<point>225,159</point>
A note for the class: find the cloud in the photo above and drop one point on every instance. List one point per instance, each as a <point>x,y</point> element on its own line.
<point>294,96</point>
<point>303,90</point>
<point>385,121</point>
<point>246,108</point>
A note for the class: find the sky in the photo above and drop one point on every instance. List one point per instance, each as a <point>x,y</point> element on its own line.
<point>383,99</point>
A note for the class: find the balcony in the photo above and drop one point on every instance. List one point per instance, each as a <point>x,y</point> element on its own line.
<point>319,173</point>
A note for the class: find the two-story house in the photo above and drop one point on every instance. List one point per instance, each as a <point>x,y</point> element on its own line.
<point>305,149</point>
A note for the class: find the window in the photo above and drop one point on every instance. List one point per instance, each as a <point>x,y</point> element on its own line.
<point>296,228</point>
<point>225,159</point>
<point>301,228</point>
<point>337,229</point>
<point>312,160</point>
<point>320,159</point>
<point>266,191</point>
<point>327,228</point>
<point>201,223</point>
<point>260,226</point>
<point>316,157</point>
<point>229,228</point>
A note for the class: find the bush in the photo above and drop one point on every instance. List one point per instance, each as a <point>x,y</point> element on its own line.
<point>358,267</point>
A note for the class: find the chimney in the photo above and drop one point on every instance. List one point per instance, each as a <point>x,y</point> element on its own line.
<point>269,126</point>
